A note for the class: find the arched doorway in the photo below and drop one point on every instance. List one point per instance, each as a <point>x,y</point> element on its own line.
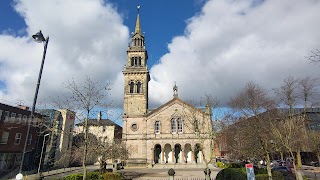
<point>157,153</point>
<point>167,153</point>
<point>197,153</point>
<point>187,153</point>
<point>177,153</point>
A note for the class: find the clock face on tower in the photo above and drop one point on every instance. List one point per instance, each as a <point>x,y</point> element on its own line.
<point>134,126</point>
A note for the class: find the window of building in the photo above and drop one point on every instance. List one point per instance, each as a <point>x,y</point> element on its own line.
<point>173,125</point>
<point>6,116</point>
<point>196,125</point>
<point>24,119</point>
<point>157,127</point>
<point>13,117</point>
<point>131,87</point>
<point>135,61</point>
<point>19,118</point>
<point>4,137</point>
<point>132,61</point>
<point>29,139</point>
<point>139,87</point>
<point>179,122</point>
<point>17,139</point>
<point>139,61</point>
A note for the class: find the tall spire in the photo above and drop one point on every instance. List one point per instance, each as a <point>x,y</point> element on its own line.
<point>138,29</point>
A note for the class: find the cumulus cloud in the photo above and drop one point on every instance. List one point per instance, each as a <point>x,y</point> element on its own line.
<point>87,38</point>
<point>230,43</point>
<point>225,45</point>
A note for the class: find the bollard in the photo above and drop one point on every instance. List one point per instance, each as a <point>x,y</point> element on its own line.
<point>171,173</point>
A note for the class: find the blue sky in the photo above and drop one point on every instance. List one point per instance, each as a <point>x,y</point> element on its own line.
<point>205,46</point>
<point>158,17</point>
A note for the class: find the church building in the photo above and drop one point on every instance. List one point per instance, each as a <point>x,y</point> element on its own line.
<point>174,133</point>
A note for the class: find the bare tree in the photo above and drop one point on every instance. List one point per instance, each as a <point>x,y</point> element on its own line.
<point>290,129</point>
<point>315,56</point>
<point>84,99</point>
<point>251,103</point>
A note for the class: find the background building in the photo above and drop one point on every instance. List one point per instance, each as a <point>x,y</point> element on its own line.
<point>99,131</point>
<point>14,123</point>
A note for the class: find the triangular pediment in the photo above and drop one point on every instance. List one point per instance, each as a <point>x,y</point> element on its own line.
<point>174,103</point>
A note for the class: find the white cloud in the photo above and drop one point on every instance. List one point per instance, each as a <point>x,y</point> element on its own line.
<point>86,38</point>
<point>232,42</point>
<point>224,46</point>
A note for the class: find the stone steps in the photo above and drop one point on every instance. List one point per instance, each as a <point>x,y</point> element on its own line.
<point>178,166</point>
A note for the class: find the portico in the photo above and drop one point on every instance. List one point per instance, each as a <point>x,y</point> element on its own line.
<point>176,153</point>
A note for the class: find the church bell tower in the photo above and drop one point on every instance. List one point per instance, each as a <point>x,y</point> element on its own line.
<point>136,75</point>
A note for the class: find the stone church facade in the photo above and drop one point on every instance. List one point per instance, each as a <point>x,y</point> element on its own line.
<point>174,133</point>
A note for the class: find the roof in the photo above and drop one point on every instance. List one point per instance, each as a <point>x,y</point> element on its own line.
<point>102,122</point>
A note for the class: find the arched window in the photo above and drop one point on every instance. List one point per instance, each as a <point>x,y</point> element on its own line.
<point>139,87</point>
<point>157,127</point>
<point>132,61</point>
<point>131,87</point>
<point>179,122</point>
<point>139,61</point>
<point>173,125</point>
<point>196,125</point>
<point>135,61</point>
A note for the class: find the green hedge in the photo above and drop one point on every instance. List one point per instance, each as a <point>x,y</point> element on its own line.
<point>93,176</point>
<point>235,165</point>
<point>220,165</point>
<point>111,176</point>
<point>240,174</point>
<point>275,176</point>
<point>231,173</point>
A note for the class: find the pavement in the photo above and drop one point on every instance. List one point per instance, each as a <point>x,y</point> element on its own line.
<point>152,173</point>
<point>130,173</point>
<point>311,172</point>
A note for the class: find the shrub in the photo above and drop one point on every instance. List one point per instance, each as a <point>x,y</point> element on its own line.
<point>111,176</point>
<point>231,173</point>
<point>260,171</point>
<point>90,176</point>
<point>220,165</point>
<point>93,176</point>
<point>275,176</point>
<point>72,177</point>
<point>235,165</point>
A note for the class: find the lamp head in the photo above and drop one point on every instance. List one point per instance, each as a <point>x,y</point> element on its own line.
<point>38,37</point>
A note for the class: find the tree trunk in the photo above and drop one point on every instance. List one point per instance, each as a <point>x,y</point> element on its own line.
<point>85,147</point>
<point>299,164</point>
<point>268,166</point>
<point>281,155</point>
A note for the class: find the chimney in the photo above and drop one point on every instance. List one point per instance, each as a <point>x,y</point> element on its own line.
<point>99,116</point>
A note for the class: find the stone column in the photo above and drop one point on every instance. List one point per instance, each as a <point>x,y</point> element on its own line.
<point>172,151</point>
<point>162,156</point>
<point>192,157</point>
<point>152,158</point>
<point>182,156</point>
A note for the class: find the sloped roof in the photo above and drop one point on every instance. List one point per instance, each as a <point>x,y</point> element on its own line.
<point>102,122</point>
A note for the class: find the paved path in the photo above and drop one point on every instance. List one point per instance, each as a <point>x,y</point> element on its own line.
<point>154,174</point>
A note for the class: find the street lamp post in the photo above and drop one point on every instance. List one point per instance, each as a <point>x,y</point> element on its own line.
<point>40,39</point>
<point>44,139</point>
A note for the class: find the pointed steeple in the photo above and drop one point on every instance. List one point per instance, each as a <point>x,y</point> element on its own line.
<point>138,28</point>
